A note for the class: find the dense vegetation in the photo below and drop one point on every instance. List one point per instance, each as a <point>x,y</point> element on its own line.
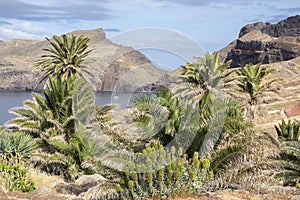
<point>179,141</point>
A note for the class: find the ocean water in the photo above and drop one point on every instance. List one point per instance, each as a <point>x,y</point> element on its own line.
<point>10,99</point>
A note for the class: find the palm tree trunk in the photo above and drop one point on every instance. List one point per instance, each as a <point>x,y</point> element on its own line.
<point>252,110</point>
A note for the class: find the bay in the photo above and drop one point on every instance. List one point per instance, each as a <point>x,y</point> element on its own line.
<point>10,99</point>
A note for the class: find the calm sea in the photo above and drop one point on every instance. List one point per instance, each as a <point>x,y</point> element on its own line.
<point>9,99</point>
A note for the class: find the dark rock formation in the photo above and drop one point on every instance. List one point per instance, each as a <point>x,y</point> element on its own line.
<point>287,27</point>
<point>81,185</point>
<point>109,63</point>
<point>266,43</point>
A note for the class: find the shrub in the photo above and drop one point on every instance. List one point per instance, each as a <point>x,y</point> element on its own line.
<point>165,173</point>
<point>15,151</point>
<point>16,147</point>
<point>15,179</point>
<point>288,130</point>
<point>288,133</point>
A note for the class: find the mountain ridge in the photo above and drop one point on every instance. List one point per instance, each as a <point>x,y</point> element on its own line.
<point>110,62</point>
<point>264,43</point>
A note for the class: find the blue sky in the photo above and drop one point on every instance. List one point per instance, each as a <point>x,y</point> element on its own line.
<point>211,23</point>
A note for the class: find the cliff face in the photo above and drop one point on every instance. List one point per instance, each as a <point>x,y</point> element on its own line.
<point>109,62</point>
<point>275,46</point>
<point>266,43</point>
<point>287,27</point>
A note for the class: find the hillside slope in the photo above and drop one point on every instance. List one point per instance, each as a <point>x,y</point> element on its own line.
<point>285,104</point>
<point>276,46</point>
<point>111,62</point>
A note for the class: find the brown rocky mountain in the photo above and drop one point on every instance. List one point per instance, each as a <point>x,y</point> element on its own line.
<point>276,46</point>
<point>265,43</point>
<point>112,64</point>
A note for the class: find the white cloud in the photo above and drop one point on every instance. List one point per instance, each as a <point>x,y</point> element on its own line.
<point>20,30</point>
<point>8,34</point>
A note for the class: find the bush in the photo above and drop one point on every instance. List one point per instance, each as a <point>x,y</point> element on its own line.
<point>15,179</point>
<point>15,151</point>
<point>166,173</point>
<point>288,130</point>
<point>289,135</point>
<point>16,147</point>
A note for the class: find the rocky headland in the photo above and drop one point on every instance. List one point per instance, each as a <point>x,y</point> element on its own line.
<point>113,65</point>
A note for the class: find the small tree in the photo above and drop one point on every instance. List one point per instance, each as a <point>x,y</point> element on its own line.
<point>251,82</point>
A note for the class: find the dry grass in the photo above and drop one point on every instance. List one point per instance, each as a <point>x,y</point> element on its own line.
<point>42,179</point>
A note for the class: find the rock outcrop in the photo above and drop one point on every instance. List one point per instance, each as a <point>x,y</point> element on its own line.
<point>293,111</point>
<point>287,27</point>
<point>265,43</point>
<point>111,63</point>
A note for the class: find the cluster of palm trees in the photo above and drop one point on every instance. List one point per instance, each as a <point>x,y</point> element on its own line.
<point>61,118</point>
<point>202,113</point>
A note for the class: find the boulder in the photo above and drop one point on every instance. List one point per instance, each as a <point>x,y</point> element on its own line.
<point>293,111</point>
<point>90,179</point>
<point>81,185</point>
<point>102,192</point>
<point>3,196</point>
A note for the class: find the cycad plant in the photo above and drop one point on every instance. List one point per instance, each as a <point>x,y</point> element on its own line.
<point>159,115</point>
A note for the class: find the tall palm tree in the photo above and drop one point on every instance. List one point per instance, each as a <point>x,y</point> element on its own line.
<point>251,82</point>
<point>67,57</point>
<point>202,85</point>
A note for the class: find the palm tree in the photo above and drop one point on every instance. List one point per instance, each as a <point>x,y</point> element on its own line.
<point>251,82</point>
<point>201,77</point>
<point>60,122</point>
<point>67,57</point>
<point>175,110</point>
<point>46,116</point>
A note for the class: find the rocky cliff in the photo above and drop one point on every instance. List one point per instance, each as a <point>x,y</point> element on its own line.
<point>275,46</point>
<point>113,64</point>
<point>265,43</point>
